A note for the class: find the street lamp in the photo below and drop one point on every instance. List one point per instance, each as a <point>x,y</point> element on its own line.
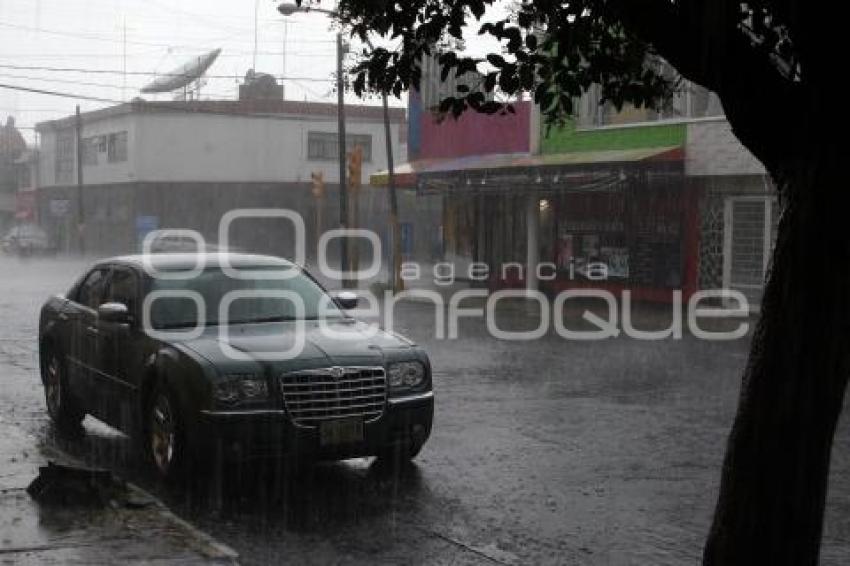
<point>396,283</point>
<point>288,9</point>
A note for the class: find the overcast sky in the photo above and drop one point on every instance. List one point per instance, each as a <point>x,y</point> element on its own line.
<point>160,36</point>
<point>88,36</point>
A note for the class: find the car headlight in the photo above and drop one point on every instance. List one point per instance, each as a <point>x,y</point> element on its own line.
<point>406,374</point>
<point>238,388</point>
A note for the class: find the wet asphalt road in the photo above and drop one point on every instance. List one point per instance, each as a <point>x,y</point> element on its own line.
<point>548,452</point>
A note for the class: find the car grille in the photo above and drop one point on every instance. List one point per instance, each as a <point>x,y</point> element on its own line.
<point>312,396</point>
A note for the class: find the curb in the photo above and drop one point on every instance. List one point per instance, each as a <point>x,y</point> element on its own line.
<point>199,541</point>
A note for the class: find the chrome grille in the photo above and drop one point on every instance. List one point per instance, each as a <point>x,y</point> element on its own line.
<point>316,395</point>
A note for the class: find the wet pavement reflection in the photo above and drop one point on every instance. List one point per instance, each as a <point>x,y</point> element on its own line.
<point>544,452</point>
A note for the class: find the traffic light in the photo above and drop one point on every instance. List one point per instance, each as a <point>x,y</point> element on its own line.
<point>318,184</point>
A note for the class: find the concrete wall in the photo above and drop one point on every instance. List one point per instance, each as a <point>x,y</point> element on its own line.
<point>712,149</point>
<point>217,149</point>
<point>213,148</point>
<point>569,138</point>
<point>471,134</point>
<point>113,209</point>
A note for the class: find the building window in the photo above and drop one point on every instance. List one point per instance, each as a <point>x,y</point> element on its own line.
<point>324,146</point>
<point>65,157</point>
<point>91,147</point>
<point>116,150</point>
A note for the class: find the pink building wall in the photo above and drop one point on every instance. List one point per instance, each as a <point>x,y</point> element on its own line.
<point>473,134</point>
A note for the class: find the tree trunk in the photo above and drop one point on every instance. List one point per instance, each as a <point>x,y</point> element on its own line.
<point>774,479</point>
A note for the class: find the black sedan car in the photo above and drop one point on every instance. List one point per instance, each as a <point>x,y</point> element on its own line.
<point>230,355</point>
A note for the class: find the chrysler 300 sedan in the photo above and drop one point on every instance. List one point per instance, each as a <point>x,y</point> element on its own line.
<point>230,355</point>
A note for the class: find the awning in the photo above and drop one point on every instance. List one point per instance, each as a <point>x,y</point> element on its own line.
<point>408,174</point>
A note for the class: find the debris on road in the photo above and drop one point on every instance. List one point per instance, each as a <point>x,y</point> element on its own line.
<point>58,484</point>
<point>56,510</point>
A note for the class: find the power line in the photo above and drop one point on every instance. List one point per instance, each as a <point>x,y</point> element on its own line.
<point>17,111</point>
<point>110,39</point>
<point>153,104</point>
<point>78,35</point>
<point>76,55</point>
<point>198,17</point>
<point>57,93</point>
<point>139,73</point>
<point>55,80</point>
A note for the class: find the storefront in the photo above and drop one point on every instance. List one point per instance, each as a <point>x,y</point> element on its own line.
<point>614,220</point>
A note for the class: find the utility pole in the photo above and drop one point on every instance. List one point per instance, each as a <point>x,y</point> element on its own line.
<point>124,64</point>
<point>287,9</point>
<point>256,18</point>
<point>355,180</point>
<point>343,185</point>
<point>81,212</point>
<point>318,191</point>
<point>396,283</point>
<point>283,77</point>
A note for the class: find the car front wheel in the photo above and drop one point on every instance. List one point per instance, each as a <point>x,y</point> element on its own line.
<point>165,438</point>
<point>60,405</point>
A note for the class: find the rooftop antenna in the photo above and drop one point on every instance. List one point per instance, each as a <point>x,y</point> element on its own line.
<point>190,73</point>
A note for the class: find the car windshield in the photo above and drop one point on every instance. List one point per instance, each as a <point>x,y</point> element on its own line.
<point>269,295</point>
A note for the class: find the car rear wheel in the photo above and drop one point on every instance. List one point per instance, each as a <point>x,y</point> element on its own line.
<point>60,404</point>
<point>165,438</point>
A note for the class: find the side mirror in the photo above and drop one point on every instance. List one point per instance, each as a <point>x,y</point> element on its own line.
<point>347,300</point>
<point>114,313</point>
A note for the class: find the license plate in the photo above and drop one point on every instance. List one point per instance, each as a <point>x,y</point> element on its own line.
<point>344,431</point>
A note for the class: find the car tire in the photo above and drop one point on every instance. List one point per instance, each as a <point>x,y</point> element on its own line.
<point>61,406</point>
<point>164,437</point>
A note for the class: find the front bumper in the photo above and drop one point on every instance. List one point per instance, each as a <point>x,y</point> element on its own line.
<point>247,434</point>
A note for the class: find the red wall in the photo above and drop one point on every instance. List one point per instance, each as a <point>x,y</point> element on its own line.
<point>474,134</point>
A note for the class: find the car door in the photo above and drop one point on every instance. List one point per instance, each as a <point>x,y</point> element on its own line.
<point>119,351</point>
<point>82,346</point>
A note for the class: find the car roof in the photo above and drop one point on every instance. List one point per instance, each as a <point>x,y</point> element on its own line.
<point>188,261</point>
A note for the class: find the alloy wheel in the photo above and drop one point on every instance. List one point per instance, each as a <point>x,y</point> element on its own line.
<point>53,386</point>
<point>162,434</point>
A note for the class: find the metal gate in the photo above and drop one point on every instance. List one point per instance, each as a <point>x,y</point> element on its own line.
<point>749,236</point>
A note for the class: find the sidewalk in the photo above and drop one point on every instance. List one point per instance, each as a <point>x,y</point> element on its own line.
<point>144,533</point>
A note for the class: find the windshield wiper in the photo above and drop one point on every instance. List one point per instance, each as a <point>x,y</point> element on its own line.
<point>265,320</point>
<point>175,325</point>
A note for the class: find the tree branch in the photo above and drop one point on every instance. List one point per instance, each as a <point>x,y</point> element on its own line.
<point>703,42</point>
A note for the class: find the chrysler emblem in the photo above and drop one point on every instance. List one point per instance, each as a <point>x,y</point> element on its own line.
<point>337,372</point>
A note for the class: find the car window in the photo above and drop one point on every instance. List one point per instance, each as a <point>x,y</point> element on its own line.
<point>216,288</point>
<point>123,288</point>
<point>91,292</point>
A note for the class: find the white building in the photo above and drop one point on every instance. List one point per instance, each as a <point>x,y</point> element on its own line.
<point>184,164</point>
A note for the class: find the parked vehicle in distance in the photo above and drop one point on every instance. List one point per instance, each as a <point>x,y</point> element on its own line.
<point>191,385</point>
<point>26,239</point>
<point>181,243</point>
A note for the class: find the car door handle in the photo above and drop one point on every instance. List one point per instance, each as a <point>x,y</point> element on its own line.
<point>92,330</point>
<point>63,317</point>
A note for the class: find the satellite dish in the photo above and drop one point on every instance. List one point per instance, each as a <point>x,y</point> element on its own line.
<point>184,75</point>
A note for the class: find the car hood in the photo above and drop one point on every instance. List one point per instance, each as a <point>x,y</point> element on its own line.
<point>347,342</point>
